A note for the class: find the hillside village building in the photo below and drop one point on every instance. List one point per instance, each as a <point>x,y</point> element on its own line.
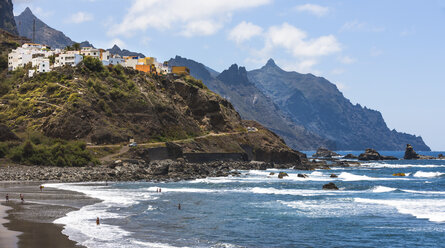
<point>38,57</point>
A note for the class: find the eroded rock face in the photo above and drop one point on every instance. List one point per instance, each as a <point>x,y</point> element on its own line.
<point>7,21</point>
<point>410,153</point>
<point>324,153</point>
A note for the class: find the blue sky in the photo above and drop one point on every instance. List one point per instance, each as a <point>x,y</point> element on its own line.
<point>386,55</point>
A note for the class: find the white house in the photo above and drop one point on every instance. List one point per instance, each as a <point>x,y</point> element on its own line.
<point>131,63</point>
<point>72,59</point>
<point>43,66</point>
<point>91,52</point>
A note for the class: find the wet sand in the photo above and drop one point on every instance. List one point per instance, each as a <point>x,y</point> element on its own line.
<point>30,224</point>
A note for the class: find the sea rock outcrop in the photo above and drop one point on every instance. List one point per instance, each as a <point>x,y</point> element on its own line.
<point>371,154</point>
<point>281,175</point>
<point>324,153</point>
<point>330,186</point>
<point>333,176</point>
<point>350,156</point>
<point>410,153</point>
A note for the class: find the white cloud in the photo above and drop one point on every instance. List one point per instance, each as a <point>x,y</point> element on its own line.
<point>244,31</point>
<point>360,26</point>
<point>188,18</point>
<point>341,86</point>
<point>313,9</point>
<point>347,60</point>
<point>120,43</point>
<point>297,42</point>
<point>80,17</point>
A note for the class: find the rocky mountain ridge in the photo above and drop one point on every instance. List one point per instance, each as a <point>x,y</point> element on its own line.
<point>7,21</point>
<point>303,101</point>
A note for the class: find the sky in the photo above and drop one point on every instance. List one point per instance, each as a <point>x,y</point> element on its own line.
<point>385,55</point>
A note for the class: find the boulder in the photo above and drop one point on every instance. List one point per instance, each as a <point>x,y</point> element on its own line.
<point>281,175</point>
<point>350,156</point>
<point>272,173</point>
<point>324,153</point>
<point>330,186</point>
<point>333,176</point>
<point>370,154</point>
<point>410,153</point>
<point>303,175</point>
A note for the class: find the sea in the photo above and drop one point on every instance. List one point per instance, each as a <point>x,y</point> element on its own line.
<point>373,208</point>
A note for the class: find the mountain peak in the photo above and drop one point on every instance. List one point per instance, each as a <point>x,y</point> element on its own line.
<point>234,75</point>
<point>27,12</point>
<point>116,47</point>
<point>271,62</point>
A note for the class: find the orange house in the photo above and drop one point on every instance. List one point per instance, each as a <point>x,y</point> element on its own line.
<point>180,70</point>
<point>144,68</point>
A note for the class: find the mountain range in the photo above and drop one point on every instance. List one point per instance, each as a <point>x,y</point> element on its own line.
<point>307,111</point>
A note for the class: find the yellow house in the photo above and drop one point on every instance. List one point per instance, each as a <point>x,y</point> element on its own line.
<point>147,61</point>
<point>180,70</point>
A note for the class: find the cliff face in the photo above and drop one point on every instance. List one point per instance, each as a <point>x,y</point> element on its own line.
<point>319,106</point>
<point>7,21</point>
<point>234,85</point>
<point>44,33</point>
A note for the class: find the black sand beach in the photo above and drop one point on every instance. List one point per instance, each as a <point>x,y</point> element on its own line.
<point>30,224</point>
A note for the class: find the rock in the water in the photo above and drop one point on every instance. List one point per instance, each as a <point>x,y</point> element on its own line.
<point>399,174</point>
<point>410,153</point>
<point>272,173</point>
<point>324,153</point>
<point>330,186</point>
<point>333,176</point>
<point>281,175</point>
<point>371,154</point>
<point>350,156</point>
<point>303,175</point>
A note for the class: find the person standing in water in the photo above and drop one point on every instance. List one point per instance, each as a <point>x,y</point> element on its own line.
<point>22,198</point>
<point>41,188</point>
<point>97,221</point>
<point>179,206</point>
<point>7,197</point>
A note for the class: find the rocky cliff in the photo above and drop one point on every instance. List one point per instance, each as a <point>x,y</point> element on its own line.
<point>7,21</point>
<point>44,33</point>
<point>252,104</point>
<point>319,106</point>
<point>307,111</point>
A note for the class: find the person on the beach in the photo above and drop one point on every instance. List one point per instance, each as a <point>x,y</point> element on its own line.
<point>179,206</point>
<point>97,221</point>
<point>22,198</point>
<point>41,188</point>
<point>7,197</point>
<point>159,190</point>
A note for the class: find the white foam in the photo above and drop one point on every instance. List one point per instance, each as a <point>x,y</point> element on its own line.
<point>428,174</point>
<point>424,192</point>
<point>346,176</point>
<point>431,209</point>
<point>298,192</point>
<point>186,190</point>
<point>385,165</point>
<point>80,225</point>
<point>382,189</point>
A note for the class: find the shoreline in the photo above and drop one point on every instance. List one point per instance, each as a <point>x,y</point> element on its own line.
<point>31,224</point>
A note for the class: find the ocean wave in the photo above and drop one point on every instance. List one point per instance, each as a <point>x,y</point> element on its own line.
<point>80,225</point>
<point>424,192</point>
<point>431,209</point>
<point>428,174</point>
<point>382,189</point>
<point>395,166</point>
<point>346,176</point>
<point>298,192</point>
